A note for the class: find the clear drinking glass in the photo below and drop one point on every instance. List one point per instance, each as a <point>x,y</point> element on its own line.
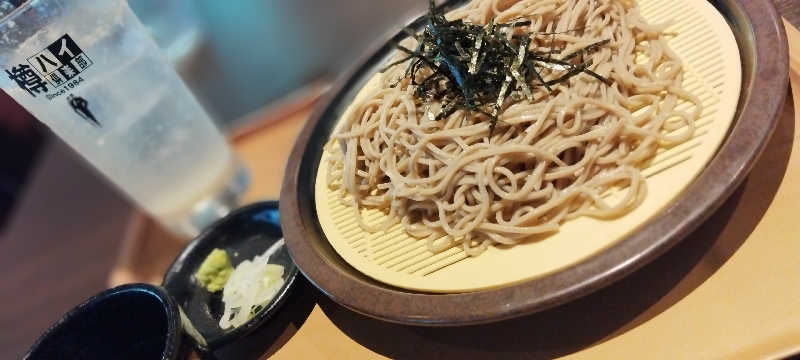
<point>89,70</point>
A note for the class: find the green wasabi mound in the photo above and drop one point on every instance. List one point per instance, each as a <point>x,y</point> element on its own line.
<point>214,271</point>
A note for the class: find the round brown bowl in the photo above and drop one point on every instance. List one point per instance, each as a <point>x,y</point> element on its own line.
<point>765,62</point>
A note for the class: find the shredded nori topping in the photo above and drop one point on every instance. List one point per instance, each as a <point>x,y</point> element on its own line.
<point>471,67</point>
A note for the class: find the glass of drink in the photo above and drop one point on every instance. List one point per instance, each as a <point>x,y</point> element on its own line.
<point>89,70</point>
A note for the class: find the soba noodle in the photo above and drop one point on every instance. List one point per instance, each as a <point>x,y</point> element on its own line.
<point>576,151</point>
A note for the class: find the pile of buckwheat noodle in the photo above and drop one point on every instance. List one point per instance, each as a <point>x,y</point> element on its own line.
<point>547,161</point>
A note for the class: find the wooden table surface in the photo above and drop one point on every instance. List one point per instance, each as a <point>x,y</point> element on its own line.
<point>730,290</point>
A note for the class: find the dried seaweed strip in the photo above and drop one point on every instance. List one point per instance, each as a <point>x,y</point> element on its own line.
<point>477,68</point>
<point>515,69</point>
<point>587,50</point>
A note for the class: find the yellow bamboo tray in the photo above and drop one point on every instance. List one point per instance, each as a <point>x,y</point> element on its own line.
<point>701,37</point>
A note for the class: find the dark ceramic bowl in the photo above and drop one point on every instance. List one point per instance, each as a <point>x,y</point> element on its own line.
<point>136,321</point>
<point>243,234</point>
<point>762,44</point>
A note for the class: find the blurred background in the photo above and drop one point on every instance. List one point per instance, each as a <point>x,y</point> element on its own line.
<point>239,58</point>
<point>236,57</point>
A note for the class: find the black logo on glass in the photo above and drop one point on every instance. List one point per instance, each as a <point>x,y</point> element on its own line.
<point>81,107</point>
<point>55,66</point>
<point>27,79</point>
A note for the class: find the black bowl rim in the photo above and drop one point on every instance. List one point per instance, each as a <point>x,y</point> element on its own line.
<point>171,308</point>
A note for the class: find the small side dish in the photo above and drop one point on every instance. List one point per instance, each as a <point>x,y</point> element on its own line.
<point>246,289</point>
